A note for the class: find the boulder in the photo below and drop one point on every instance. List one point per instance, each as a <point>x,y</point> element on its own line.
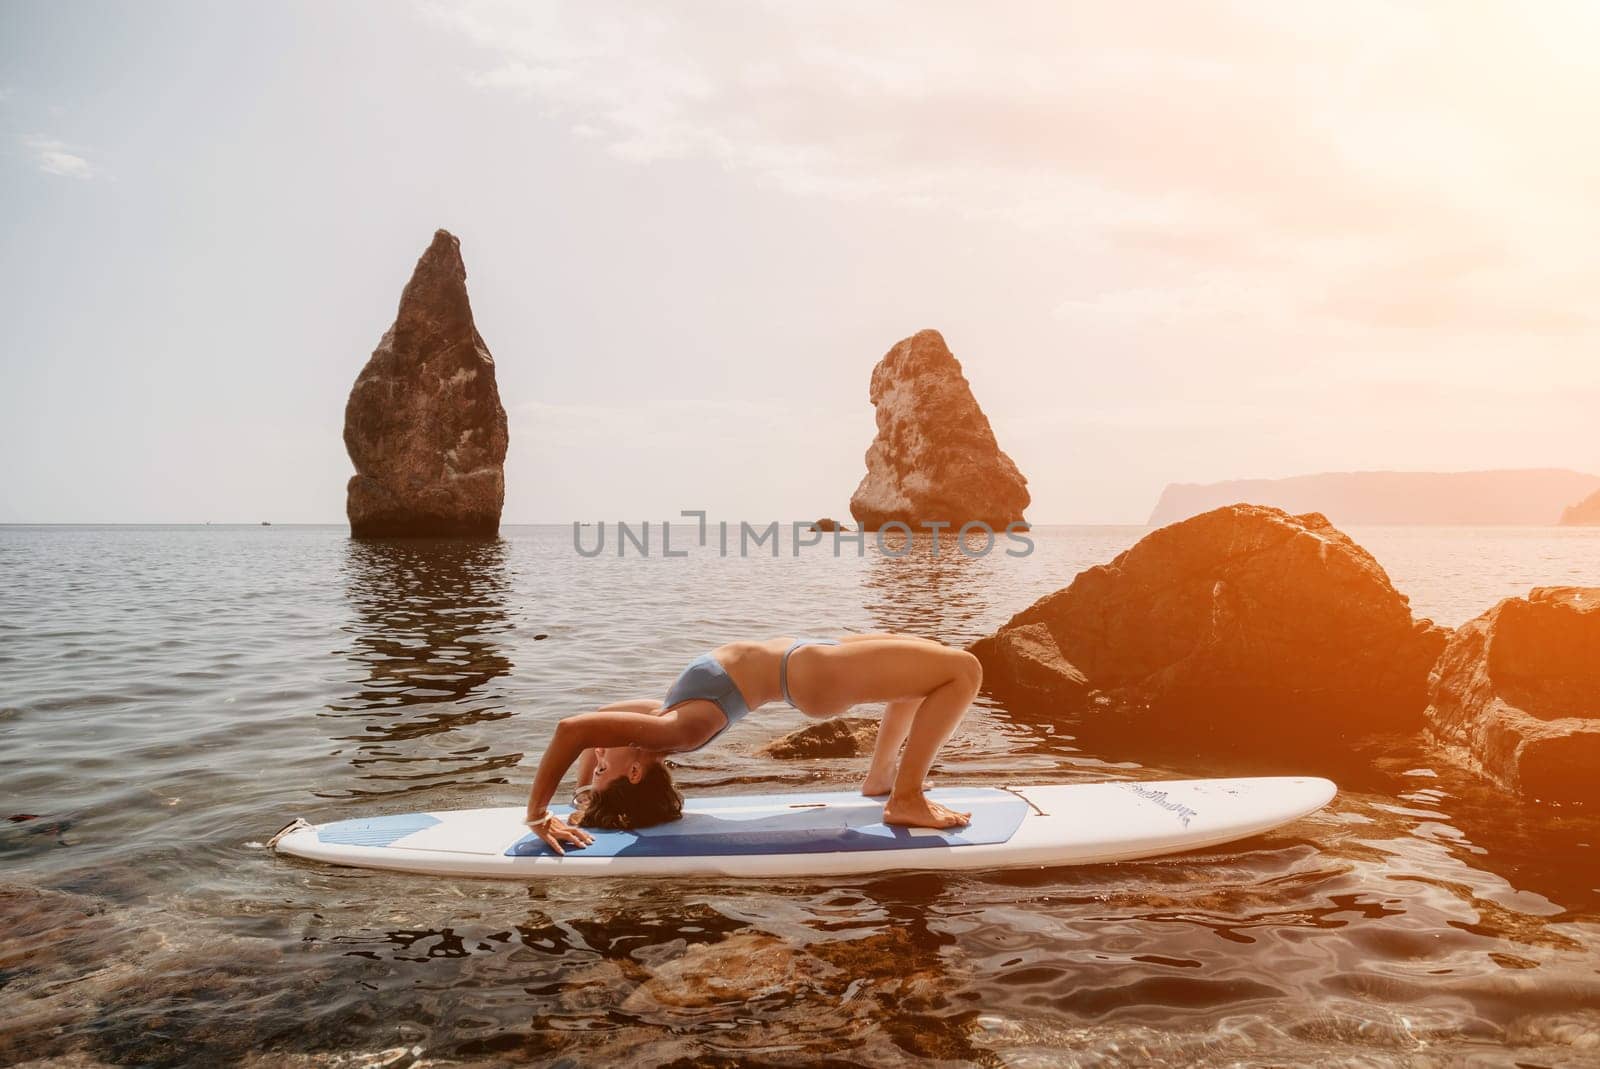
<point>1585,513</point>
<point>1517,694</point>
<point>1025,658</point>
<point>828,524</point>
<point>837,736</point>
<point>424,424</point>
<point>142,985</point>
<point>742,968</point>
<point>1244,623</point>
<point>935,457</point>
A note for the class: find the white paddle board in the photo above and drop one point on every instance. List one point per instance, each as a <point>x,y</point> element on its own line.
<point>831,834</point>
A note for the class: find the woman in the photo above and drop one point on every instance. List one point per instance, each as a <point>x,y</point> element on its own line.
<point>622,782</point>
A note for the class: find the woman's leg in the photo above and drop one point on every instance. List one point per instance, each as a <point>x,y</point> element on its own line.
<point>936,683</point>
<point>892,734</point>
<point>934,723</point>
<point>632,705</point>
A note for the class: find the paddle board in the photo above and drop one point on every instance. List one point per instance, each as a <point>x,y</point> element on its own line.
<point>832,833</point>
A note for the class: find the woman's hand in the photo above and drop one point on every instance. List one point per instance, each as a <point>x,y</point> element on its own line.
<point>555,831</point>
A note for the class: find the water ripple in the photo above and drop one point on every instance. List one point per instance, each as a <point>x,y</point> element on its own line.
<point>173,695</point>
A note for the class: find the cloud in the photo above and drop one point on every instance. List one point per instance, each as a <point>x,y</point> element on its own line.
<point>56,157</point>
<point>1340,147</point>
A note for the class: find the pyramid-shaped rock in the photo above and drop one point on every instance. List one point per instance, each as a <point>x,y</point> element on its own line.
<point>424,424</point>
<point>935,457</point>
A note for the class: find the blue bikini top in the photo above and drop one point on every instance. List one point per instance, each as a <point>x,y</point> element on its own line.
<point>706,679</point>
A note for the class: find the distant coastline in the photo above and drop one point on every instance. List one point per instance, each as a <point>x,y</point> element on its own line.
<point>1529,496</point>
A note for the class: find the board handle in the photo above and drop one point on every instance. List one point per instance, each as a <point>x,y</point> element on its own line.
<point>294,825</point>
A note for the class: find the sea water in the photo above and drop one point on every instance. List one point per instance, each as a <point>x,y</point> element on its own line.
<point>170,696</point>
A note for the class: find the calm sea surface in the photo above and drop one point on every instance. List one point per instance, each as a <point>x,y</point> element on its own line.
<point>170,696</point>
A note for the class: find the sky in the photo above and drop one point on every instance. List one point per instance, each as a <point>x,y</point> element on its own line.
<point>1168,242</point>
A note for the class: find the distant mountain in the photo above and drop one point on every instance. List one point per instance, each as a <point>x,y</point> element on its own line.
<point>1526,496</point>
<point>1584,513</point>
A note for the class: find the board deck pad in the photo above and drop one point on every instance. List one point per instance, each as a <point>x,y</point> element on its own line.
<point>375,831</point>
<point>837,833</point>
<point>801,824</point>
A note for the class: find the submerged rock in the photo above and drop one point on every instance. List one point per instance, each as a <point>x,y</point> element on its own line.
<point>827,523</point>
<point>742,968</point>
<point>837,736</point>
<point>424,424</point>
<point>1517,693</point>
<point>140,984</point>
<point>1585,513</point>
<point>393,1058</point>
<point>935,457</point>
<point>1244,623</point>
<point>43,926</point>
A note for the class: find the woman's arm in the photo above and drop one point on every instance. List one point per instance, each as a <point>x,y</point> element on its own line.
<point>565,746</point>
<point>682,728</point>
<point>586,760</point>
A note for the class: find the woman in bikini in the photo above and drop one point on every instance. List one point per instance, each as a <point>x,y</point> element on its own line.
<point>619,749</point>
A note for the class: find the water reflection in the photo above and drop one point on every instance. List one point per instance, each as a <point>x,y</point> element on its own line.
<point>711,971</point>
<point>944,595</point>
<point>425,638</point>
<point>1547,855</point>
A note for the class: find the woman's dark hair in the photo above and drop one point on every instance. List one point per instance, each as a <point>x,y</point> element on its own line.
<point>625,805</point>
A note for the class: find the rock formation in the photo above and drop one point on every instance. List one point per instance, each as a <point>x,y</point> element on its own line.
<point>711,974</point>
<point>1584,514</point>
<point>828,523</point>
<point>837,736</point>
<point>1244,624</point>
<point>424,425</point>
<point>1517,692</point>
<point>935,457</point>
<point>1531,496</point>
<point>899,972</point>
<point>76,966</point>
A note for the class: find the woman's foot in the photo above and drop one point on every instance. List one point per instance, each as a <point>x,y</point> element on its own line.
<point>921,812</point>
<point>875,785</point>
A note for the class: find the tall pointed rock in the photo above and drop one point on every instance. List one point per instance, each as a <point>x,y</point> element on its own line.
<point>424,424</point>
<point>935,457</point>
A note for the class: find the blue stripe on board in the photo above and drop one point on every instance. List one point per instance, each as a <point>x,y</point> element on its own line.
<point>375,831</point>
<point>732,826</point>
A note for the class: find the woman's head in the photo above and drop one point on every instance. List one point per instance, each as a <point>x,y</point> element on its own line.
<point>631,789</point>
